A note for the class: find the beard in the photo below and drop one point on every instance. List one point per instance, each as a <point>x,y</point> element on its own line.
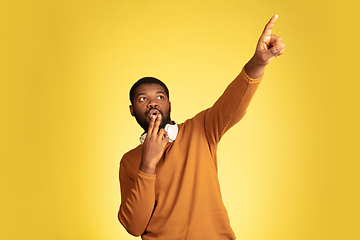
<point>145,124</point>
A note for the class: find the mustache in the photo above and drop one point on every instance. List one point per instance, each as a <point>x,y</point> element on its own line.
<point>147,112</point>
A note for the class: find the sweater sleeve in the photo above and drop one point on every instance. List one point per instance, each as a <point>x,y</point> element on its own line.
<point>137,200</point>
<point>230,107</point>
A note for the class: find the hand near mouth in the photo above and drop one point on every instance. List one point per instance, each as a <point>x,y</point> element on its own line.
<point>154,112</point>
<point>154,144</point>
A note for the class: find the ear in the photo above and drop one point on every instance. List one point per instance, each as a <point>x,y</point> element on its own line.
<point>132,110</point>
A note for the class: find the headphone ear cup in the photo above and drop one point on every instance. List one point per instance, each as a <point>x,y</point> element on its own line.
<point>172,131</point>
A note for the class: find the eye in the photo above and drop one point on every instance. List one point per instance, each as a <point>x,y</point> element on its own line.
<point>160,97</point>
<point>142,99</point>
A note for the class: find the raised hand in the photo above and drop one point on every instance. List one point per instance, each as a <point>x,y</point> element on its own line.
<point>154,146</point>
<point>268,47</point>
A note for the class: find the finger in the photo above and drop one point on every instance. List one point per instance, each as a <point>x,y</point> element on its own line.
<point>166,135</point>
<point>278,46</point>
<point>273,52</point>
<point>280,52</point>
<point>157,124</point>
<point>274,39</point>
<point>162,135</point>
<point>151,125</point>
<point>269,26</point>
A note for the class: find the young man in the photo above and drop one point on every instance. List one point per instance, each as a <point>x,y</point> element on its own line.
<point>169,184</point>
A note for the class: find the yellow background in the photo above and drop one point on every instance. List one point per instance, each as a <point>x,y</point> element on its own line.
<point>288,170</point>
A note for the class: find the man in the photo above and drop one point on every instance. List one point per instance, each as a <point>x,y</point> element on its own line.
<point>169,184</point>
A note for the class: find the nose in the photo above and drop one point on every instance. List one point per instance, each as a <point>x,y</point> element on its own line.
<point>152,103</point>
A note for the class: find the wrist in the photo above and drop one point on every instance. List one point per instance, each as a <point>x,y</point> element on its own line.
<point>147,168</point>
<point>253,69</point>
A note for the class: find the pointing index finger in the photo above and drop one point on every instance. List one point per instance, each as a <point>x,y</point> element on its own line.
<point>269,26</point>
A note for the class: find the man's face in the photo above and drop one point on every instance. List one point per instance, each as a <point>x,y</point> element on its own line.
<point>149,100</point>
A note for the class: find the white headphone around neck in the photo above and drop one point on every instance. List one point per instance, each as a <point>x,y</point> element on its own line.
<point>172,131</point>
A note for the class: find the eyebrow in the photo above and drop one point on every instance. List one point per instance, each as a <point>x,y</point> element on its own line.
<point>143,93</point>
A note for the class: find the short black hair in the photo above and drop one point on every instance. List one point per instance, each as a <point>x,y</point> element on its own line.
<point>147,80</point>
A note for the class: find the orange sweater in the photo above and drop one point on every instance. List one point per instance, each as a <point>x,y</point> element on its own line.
<point>183,199</point>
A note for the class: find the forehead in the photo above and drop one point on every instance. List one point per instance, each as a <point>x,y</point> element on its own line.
<point>149,88</point>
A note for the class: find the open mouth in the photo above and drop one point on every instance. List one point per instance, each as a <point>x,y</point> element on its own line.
<point>153,112</point>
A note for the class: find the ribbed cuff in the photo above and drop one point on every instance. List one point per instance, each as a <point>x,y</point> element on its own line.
<point>251,80</point>
<point>146,176</point>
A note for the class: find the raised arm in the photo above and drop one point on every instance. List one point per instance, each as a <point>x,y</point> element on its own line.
<point>233,104</point>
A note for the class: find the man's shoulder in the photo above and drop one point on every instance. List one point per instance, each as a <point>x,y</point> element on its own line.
<point>198,119</point>
<point>132,155</point>
<point>130,163</point>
